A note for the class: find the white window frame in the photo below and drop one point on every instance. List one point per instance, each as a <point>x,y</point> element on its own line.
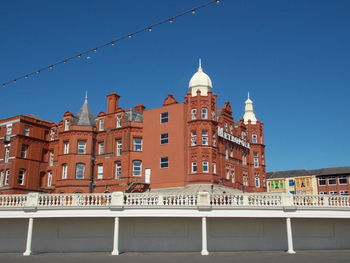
<point>49,179</point>
<point>193,138</point>
<point>119,121</point>
<point>24,151</point>
<point>9,129</point>
<point>78,171</point>
<point>164,162</point>
<point>81,147</point>
<point>333,192</point>
<point>343,177</point>
<point>204,113</point>
<point>233,175</point>
<point>205,167</point>
<point>254,138</point>
<point>164,138</point>
<point>101,125</point>
<point>7,153</point>
<point>2,178</point>
<point>194,167</point>
<point>26,130</point>
<point>119,147</point>
<point>344,192</point>
<point>101,148</point>
<point>214,168</point>
<point>118,169</point>
<point>137,168</point>
<point>64,171</point>
<point>66,147</point>
<point>332,178</point>
<point>164,117</point>
<point>323,179</point>
<point>21,176</point>
<point>257,181</point>
<point>193,114</point>
<point>100,171</point>
<point>51,158</point>
<point>205,137</point>
<point>66,124</point>
<point>137,144</point>
<point>7,177</point>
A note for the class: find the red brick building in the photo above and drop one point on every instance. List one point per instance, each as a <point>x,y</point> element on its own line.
<point>179,143</point>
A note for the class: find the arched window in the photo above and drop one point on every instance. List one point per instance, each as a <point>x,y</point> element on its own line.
<point>79,171</point>
<point>194,114</point>
<point>137,168</point>
<point>204,113</point>
<point>254,138</point>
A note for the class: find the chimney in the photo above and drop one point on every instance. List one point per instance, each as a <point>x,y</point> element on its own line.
<point>112,102</point>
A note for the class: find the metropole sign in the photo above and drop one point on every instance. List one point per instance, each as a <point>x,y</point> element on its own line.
<point>231,138</point>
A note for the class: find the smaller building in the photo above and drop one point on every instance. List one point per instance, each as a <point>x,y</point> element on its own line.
<point>319,181</point>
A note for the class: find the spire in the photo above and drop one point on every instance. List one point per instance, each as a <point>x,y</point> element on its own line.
<point>249,111</point>
<point>200,65</point>
<point>85,116</point>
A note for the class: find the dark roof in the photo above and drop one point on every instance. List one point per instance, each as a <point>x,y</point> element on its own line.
<point>303,172</point>
<point>85,116</point>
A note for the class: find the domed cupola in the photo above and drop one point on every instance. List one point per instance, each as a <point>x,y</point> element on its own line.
<point>200,81</point>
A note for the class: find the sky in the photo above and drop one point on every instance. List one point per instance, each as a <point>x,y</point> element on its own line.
<point>293,56</point>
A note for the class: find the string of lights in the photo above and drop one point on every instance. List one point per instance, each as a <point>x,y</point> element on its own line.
<point>112,43</point>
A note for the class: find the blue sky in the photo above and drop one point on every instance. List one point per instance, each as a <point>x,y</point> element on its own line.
<point>293,57</point>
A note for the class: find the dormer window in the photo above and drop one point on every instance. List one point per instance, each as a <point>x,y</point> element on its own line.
<point>26,130</point>
<point>119,121</point>
<point>66,124</point>
<point>101,125</point>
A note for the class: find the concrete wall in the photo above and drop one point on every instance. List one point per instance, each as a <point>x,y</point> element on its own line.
<point>172,234</point>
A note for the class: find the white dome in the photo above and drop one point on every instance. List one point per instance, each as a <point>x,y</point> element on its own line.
<point>200,81</point>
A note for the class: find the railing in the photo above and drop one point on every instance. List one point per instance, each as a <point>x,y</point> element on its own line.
<point>13,200</point>
<point>203,199</point>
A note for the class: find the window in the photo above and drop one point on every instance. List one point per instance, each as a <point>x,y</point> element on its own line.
<point>205,167</point>
<point>193,138</point>
<point>244,159</point>
<point>101,125</point>
<point>291,182</point>
<point>322,180</point>
<point>65,147</point>
<point>66,124</point>
<point>137,144</point>
<point>233,175</point>
<point>79,171</point>
<point>100,171</point>
<point>9,129</point>
<point>51,156</point>
<point>214,168</point>
<point>213,115</point>
<point>7,177</point>
<point>118,170</point>
<point>256,162</point>
<point>7,153</point>
<point>226,151</point>
<point>323,193</point>
<point>49,179</point>
<point>164,162</point>
<point>226,127</point>
<point>26,130</point>
<point>245,180</point>
<point>164,138</point>
<point>164,117</point>
<point>231,150</point>
<point>194,114</point>
<point>119,121</point>
<point>332,180</point>
<point>342,179</point>
<point>119,147</point>
<point>21,175</point>
<point>194,167</point>
<point>204,113</point>
<point>136,168</point>
<point>81,147</point>
<point>64,171</point>
<point>205,137</point>
<point>214,139</point>
<point>227,174</point>
<point>254,138</point>
<point>333,192</point>
<point>257,181</point>
<point>101,148</point>
<point>343,192</point>
<point>24,150</point>
<point>2,178</point>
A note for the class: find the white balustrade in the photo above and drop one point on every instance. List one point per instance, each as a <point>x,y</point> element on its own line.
<point>173,200</point>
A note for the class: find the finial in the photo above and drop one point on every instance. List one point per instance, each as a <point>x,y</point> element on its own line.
<point>200,65</point>
<point>248,96</point>
<point>86,96</point>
